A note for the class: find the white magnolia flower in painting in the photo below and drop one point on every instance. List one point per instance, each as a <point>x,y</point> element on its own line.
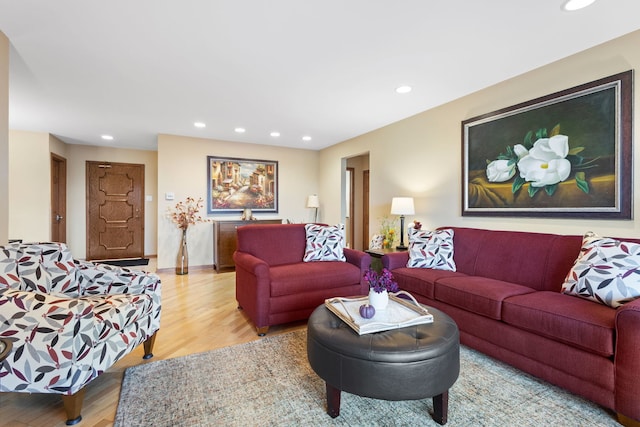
<point>504,170</point>
<point>500,170</point>
<point>520,151</point>
<point>546,163</point>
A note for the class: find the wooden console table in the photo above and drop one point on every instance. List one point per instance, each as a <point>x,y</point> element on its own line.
<point>225,240</point>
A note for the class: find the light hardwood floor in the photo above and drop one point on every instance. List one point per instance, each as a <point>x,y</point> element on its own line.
<point>199,313</point>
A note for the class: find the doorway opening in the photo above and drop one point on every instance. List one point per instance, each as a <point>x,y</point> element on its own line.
<point>355,200</point>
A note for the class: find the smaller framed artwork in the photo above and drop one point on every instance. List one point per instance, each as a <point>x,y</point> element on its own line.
<point>235,185</point>
<point>567,154</point>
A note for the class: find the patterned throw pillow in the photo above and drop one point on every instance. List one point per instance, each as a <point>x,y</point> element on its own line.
<point>324,243</point>
<point>606,271</point>
<point>431,249</point>
<point>376,241</point>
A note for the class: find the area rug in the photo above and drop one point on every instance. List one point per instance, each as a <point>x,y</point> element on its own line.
<point>270,383</point>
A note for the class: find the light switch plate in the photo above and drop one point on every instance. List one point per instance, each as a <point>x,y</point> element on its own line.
<point>169,196</point>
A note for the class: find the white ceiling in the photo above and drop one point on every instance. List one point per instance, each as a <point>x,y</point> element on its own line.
<point>324,68</point>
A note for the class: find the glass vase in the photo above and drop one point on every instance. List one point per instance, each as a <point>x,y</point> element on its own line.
<point>182,260</point>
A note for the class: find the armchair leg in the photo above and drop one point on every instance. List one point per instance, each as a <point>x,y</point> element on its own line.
<point>73,406</point>
<point>262,331</point>
<point>627,422</point>
<point>148,346</point>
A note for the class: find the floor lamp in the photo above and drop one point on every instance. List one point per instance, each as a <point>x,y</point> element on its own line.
<point>402,206</point>
<point>313,202</point>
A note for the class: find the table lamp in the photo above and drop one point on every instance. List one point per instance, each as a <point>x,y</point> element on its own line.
<point>313,202</point>
<point>402,206</point>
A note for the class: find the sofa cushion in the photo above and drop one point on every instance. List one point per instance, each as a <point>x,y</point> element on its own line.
<point>575,321</point>
<point>275,244</point>
<point>21,271</point>
<point>9,274</point>
<point>606,271</point>
<point>477,294</point>
<point>48,268</point>
<point>537,260</point>
<point>431,249</point>
<point>421,281</point>
<point>311,276</point>
<point>324,243</point>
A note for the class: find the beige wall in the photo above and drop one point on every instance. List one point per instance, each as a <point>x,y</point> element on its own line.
<point>182,166</point>
<point>4,138</point>
<point>421,155</point>
<point>29,186</point>
<point>77,156</point>
<point>58,147</point>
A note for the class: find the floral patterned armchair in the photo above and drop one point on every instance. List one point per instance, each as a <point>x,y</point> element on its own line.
<point>70,320</point>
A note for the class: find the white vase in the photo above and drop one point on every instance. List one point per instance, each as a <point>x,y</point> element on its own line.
<point>378,300</point>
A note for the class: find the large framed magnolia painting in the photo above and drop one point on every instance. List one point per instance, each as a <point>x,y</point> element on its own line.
<point>235,184</point>
<point>567,154</point>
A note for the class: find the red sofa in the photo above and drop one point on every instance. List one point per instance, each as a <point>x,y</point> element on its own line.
<point>274,285</point>
<point>505,297</point>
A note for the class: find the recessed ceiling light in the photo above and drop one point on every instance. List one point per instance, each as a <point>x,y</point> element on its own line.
<point>200,125</point>
<point>571,5</point>
<point>306,138</point>
<point>275,134</point>
<point>107,137</point>
<point>240,130</point>
<point>403,89</point>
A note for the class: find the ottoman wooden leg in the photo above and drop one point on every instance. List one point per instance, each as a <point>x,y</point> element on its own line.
<point>441,407</point>
<point>333,401</point>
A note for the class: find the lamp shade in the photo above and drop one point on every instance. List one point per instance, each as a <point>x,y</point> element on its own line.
<point>402,206</point>
<point>313,202</point>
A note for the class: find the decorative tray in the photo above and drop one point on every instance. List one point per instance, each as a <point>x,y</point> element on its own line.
<point>398,314</point>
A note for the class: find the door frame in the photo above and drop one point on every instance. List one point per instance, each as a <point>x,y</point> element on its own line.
<point>350,186</point>
<point>365,209</point>
<point>58,199</point>
<point>140,212</point>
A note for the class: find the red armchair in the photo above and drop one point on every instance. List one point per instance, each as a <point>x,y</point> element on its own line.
<point>273,284</point>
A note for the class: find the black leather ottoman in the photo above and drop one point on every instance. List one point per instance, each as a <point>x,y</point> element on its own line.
<point>411,363</point>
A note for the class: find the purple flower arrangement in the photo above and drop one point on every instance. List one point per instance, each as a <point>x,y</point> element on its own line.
<point>380,282</point>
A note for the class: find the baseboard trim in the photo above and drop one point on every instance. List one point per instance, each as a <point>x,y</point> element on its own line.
<point>192,268</point>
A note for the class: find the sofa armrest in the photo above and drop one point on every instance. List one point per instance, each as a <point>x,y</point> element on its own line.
<point>395,260</point>
<point>253,287</point>
<point>360,259</point>
<point>627,362</point>
<point>53,332</point>
<point>251,264</point>
<point>102,279</point>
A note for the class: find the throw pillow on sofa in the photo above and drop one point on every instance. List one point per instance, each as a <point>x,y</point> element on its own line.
<point>431,249</point>
<point>324,243</point>
<point>376,241</point>
<point>606,271</point>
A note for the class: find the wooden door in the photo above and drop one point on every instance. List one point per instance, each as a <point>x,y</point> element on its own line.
<point>365,209</point>
<point>58,198</point>
<point>115,210</point>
